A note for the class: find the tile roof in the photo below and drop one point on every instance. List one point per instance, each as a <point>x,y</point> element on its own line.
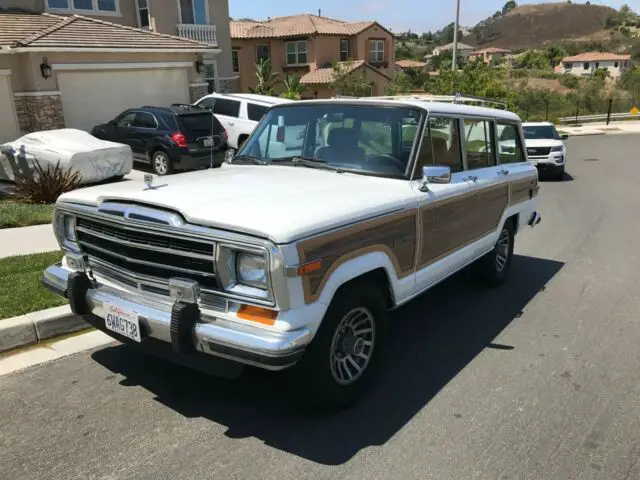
<point>491,50</point>
<point>47,30</point>
<point>449,46</point>
<point>297,25</point>
<point>410,64</point>
<point>596,56</point>
<point>326,75</point>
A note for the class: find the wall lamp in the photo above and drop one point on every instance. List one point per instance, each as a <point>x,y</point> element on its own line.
<point>45,68</point>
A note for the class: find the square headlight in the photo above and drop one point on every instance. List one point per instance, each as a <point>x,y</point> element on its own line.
<point>251,270</point>
<point>70,228</point>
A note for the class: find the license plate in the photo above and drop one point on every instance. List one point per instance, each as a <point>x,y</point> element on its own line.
<point>208,142</point>
<point>122,321</point>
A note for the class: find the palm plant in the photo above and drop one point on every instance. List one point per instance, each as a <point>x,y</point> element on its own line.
<point>292,87</point>
<point>266,78</point>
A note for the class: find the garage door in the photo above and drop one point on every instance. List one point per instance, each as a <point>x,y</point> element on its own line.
<point>8,122</point>
<point>90,98</point>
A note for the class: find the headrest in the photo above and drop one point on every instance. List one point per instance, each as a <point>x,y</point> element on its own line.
<point>342,137</point>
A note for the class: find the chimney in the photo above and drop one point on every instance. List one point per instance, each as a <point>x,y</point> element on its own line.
<point>319,12</point>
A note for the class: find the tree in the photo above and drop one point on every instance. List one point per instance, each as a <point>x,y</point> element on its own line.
<point>401,82</point>
<point>555,54</point>
<point>602,73</point>
<point>266,78</point>
<point>349,83</point>
<point>533,59</point>
<point>510,5</point>
<point>292,87</point>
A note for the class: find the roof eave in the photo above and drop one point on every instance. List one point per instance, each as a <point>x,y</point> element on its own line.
<point>202,49</point>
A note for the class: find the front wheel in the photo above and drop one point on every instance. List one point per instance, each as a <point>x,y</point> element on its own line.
<point>493,268</point>
<point>161,163</point>
<point>339,365</point>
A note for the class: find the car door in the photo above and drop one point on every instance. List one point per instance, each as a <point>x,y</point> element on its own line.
<point>121,130</point>
<point>227,112</point>
<point>443,210</point>
<point>145,127</point>
<point>487,180</point>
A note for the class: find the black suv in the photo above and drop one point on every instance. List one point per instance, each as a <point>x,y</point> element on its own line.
<point>178,137</point>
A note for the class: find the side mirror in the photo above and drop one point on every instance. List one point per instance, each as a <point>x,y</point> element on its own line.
<point>434,174</point>
<point>564,136</point>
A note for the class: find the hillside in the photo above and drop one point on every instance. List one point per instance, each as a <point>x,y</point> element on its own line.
<point>531,26</point>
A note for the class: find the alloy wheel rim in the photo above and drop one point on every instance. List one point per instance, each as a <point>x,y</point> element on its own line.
<point>160,163</point>
<point>502,251</point>
<point>352,346</point>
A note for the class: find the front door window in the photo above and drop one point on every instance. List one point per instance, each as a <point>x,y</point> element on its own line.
<point>193,11</point>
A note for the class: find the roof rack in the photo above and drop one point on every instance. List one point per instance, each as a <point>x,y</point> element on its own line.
<point>186,105</point>
<point>459,98</point>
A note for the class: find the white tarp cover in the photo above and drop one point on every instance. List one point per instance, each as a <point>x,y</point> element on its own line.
<point>95,159</point>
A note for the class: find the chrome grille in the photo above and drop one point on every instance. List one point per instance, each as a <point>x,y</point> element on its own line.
<point>539,151</point>
<point>148,254</point>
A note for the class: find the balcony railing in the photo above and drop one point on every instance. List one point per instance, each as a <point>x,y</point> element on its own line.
<point>198,33</point>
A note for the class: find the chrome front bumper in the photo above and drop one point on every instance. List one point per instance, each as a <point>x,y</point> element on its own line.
<point>211,335</point>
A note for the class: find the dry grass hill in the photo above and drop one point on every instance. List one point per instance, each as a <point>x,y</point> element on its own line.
<point>531,26</point>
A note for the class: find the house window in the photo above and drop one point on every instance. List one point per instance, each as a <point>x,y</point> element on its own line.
<point>211,75</point>
<point>297,53</point>
<point>193,12</point>
<point>84,6</point>
<point>568,66</point>
<point>586,65</point>
<point>615,65</point>
<point>344,49</point>
<point>376,51</point>
<point>597,65</point>
<point>262,52</point>
<point>235,61</point>
<point>144,18</point>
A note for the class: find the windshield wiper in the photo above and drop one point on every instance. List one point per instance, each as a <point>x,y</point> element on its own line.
<point>249,159</point>
<point>309,162</point>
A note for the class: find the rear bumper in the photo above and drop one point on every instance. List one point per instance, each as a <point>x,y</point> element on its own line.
<point>209,335</point>
<point>186,161</point>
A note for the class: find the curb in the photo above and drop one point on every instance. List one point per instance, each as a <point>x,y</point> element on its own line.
<point>35,327</point>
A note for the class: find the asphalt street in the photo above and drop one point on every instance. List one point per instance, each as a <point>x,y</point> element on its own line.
<point>539,379</point>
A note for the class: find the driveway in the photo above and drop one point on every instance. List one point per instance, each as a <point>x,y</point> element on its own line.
<point>539,379</point>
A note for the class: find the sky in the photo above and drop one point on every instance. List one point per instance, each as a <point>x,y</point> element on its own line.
<point>399,15</point>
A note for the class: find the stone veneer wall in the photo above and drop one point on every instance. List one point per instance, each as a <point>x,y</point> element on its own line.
<point>42,112</point>
<point>198,91</point>
<point>228,85</point>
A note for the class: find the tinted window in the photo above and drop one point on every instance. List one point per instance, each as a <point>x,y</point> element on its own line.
<point>207,102</point>
<point>479,140</point>
<point>546,132</point>
<point>510,146</point>
<point>440,145</point>
<point>200,124</point>
<point>145,120</point>
<point>255,112</point>
<point>223,106</point>
<point>360,138</point>
<point>126,120</point>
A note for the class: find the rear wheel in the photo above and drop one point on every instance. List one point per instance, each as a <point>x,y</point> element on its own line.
<point>493,268</point>
<point>161,163</point>
<point>340,364</point>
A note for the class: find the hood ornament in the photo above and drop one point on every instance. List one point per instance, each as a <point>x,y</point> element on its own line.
<point>148,181</point>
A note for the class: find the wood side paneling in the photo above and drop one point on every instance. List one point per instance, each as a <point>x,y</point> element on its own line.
<point>523,189</point>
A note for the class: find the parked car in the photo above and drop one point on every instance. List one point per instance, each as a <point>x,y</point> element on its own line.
<point>177,137</point>
<point>239,113</point>
<point>291,256</point>
<point>95,160</point>
<point>545,148</point>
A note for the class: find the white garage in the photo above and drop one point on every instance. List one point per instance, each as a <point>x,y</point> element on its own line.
<point>93,94</point>
<point>9,129</point>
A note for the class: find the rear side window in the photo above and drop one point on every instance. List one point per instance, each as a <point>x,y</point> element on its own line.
<point>510,146</point>
<point>202,124</point>
<point>207,103</point>
<point>255,112</point>
<point>479,140</point>
<point>223,106</point>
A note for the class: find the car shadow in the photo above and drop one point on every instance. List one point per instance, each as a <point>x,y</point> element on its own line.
<point>433,338</point>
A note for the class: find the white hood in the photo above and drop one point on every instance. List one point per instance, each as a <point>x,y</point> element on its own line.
<point>543,142</point>
<point>281,203</point>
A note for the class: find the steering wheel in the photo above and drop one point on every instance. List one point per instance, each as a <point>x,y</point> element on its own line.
<point>387,159</point>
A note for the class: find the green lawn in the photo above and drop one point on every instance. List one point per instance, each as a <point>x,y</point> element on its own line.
<point>15,214</point>
<point>20,288</point>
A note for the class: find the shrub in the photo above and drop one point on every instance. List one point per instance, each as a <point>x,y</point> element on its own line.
<point>569,81</point>
<point>45,185</point>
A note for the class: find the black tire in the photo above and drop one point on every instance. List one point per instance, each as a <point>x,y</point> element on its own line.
<point>161,163</point>
<point>493,269</point>
<point>314,379</point>
<point>560,175</point>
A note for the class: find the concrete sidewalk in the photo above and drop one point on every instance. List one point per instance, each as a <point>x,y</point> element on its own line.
<point>27,240</point>
<point>601,128</point>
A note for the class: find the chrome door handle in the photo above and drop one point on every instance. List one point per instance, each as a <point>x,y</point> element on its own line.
<point>470,178</point>
<point>503,172</point>
<point>231,123</point>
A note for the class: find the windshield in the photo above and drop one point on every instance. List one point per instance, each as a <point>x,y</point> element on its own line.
<point>540,132</point>
<point>368,139</point>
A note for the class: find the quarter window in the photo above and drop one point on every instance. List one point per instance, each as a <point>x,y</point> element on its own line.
<point>255,112</point>
<point>297,53</point>
<point>479,140</point>
<point>376,51</point>
<point>440,145</point>
<point>510,145</point>
<point>229,108</point>
<point>344,49</point>
<point>262,52</point>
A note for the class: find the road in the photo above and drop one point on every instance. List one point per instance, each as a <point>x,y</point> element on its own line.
<point>537,380</point>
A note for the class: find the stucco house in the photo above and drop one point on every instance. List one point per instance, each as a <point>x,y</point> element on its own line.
<point>463,50</point>
<point>309,45</point>
<point>489,55</point>
<point>586,64</point>
<point>76,63</point>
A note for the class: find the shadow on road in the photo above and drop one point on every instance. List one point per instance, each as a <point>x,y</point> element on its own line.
<point>433,338</point>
